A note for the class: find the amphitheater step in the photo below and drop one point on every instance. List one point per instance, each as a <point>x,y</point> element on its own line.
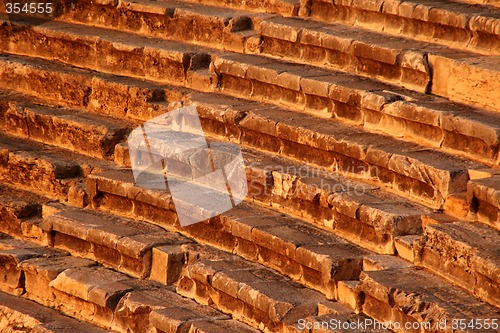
<point>119,243</point>
<point>281,7</point>
<point>422,119</point>
<point>48,171</point>
<point>174,20</point>
<point>413,300</point>
<point>12,253</point>
<point>254,294</point>
<point>393,59</point>
<point>450,23</point>
<point>190,59</point>
<point>400,113</point>
<point>419,66</point>
<point>354,210</point>
<point>72,129</point>
<point>20,211</point>
<point>107,51</point>
<point>484,199</point>
<point>465,253</point>
<point>82,289</point>
<point>277,36</point>
<point>257,234</point>
<point>21,315</point>
<point>83,89</point>
<point>110,299</point>
<point>349,150</point>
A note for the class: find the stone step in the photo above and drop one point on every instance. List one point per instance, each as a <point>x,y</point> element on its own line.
<point>12,253</point>
<point>112,300</point>
<point>293,247</point>
<point>464,253</point>
<point>98,93</point>
<point>105,50</point>
<point>491,3</point>
<point>174,20</point>
<point>165,311</point>
<point>74,283</point>
<point>434,191</point>
<point>20,211</point>
<point>52,172</point>
<point>398,296</point>
<point>424,174</point>
<point>397,60</point>
<point>281,7</point>
<point>416,117</point>
<point>451,23</point>
<point>483,196</point>
<point>122,244</point>
<point>255,295</point>
<point>352,209</point>
<point>21,315</point>
<point>426,120</point>
<point>69,128</point>
<point>420,66</point>
<point>472,133</point>
<point>82,289</point>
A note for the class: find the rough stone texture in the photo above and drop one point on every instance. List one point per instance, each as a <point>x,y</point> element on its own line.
<point>300,251</point>
<point>40,272</point>
<point>160,308</point>
<point>248,292</point>
<point>68,128</point>
<point>123,244</point>
<point>16,208</point>
<point>483,196</point>
<point>12,253</point>
<point>20,315</point>
<point>360,124</point>
<point>465,253</point>
<point>410,295</point>
<point>450,24</point>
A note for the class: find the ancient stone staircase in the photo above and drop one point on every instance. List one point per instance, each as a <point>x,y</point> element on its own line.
<point>370,132</point>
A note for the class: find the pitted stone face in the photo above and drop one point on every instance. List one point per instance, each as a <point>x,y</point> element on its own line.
<point>170,152</point>
<point>35,12</point>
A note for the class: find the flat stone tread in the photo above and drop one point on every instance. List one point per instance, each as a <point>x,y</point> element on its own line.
<point>21,312</point>
<point>94,34</point>
<point>294,228</point>
<point>283,7</point>
<point>125,181</point>
<point>89,281</point>
<point>20,250</point>
<point>24,203</point>
<point>51,66</point>
<point>481,238</point>
<point>317,177</point>
<point>291,230</point>
<point>242,274</point>
<point>483,3</point>
<point>64,162</point>
<point>457,7</point>
<point>190,8</point>
<point>467,8</point>
<point>335,78</point>
<point>434,105</point>
<point>128,236</point>
<point>351,34</point>
<point>221,325</point>
<point>162,302</point>
<point>410,287</point>
<point>339,132</point>
<point>100,123</point>
<point>488,188</point>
